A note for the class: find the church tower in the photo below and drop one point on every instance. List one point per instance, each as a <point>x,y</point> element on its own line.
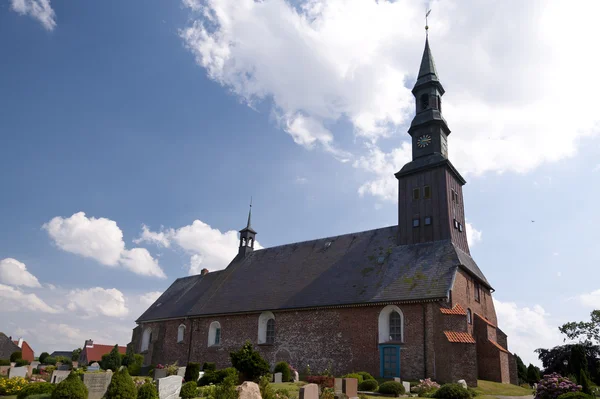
<point>430,200</point>
<point>247,236</point>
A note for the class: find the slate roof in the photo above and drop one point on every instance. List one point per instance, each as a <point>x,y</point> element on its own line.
<point>7,347</point>
<point>352,269</point>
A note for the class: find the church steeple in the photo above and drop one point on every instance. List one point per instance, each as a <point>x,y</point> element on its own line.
<point>247,235</point>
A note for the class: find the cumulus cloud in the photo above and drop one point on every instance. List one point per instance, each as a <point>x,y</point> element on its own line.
<point>94,301</point>
<point>100,239</point>
<point>160,238</point>
<point>14,300</point>
<point>591,299</point>
<point>38,9</point>
<point>320,62</point>
<point>528,328</point>
<point>14,272</point>
<point>474,236</point>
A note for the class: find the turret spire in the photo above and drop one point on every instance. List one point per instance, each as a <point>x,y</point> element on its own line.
<point>247,235</point>
<point>249,225</point>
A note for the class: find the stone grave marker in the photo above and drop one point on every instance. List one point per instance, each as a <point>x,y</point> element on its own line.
<point>277,378</point>
<point>97,383</point>
<point>4,370</point>
<point>59,375</point>
<point>17,372</point>
<point>181,371</point>
<point>463,383</point>
<point>93,367</point>
<point>201,374</point>
<point>160,373</point>
<point>406,387</point>
<point>169,387</point>
<point>296,376</point>
<point>397,379</point>
<point>309,391</point>
<point>350,387</point>
<point>337,385</point>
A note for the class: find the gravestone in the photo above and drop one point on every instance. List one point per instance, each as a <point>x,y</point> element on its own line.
<point>463,383</point>
<point>169,387</point>
<point>17,372</point>
<point>4,370</point>
<point>337,385</point>
<point>97,383</point>
<point>160,373</point>
<point>397,379</point>
<point>296,376</point>
<point>309,391</point>
<point>200,374</point>
<point>277,378</point>
<point>406,387</point>
<point>181,371</point>
<point>350,387</point>
<point>93,367</point>
<point>59,375</point>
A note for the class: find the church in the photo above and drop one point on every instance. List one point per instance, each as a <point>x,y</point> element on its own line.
<point>402,301</point>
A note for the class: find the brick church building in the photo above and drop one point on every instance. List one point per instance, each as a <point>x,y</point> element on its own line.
<point>402,301</point>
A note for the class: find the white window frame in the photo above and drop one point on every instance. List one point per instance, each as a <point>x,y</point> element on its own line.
<point>146,339</point>
<point>180,333</point>
<point>212,333</point>
<point>262,326</point>
<point>384,323</point>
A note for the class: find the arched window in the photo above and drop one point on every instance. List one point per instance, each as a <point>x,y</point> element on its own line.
<point>146,338</point>
<point>214,334</point>
<point>469,316</point>
<point>244,242</point>
<point>391,324</point>
<point>250,240</point>
<point>266,328</point>
<point>424,101</point>
<point>180,333</point>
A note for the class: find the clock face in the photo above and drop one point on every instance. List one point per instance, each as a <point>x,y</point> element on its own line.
<point>424,141</point>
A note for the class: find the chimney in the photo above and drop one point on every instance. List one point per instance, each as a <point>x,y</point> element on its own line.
<point>20,344</point>
<point>204,272</point>
<point>89,343</point>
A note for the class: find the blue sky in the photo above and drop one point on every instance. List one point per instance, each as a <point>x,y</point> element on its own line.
<point>134,134</point>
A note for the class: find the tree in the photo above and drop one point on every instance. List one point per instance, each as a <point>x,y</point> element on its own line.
<point>521,369</point>
<point>121,386</point>
<point>533,374</point>
<point>578,361</point>
<point>112,360</point>
<point>75,355</point>
<point>16,356</point>
<point>43,357</point>
<point>128,359</point>
<point>249,362</point>
<point>588,330</point>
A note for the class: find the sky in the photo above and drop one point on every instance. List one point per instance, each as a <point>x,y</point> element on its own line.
<point>135,133</point>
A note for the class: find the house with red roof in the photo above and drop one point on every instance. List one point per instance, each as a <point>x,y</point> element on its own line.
<point>92,352</point>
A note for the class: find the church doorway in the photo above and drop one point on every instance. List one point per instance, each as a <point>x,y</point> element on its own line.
<point>390,361</point>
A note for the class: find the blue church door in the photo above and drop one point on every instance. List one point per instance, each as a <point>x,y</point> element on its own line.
<point>390,361</point>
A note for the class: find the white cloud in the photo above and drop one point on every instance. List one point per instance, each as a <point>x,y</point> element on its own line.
<point>101,239</point>
<point>95,301</point>
<point>14,272</point>
<point>528,328</point>
<point>474,236</point>
<point>591,300</point>
<point>14,300</point>
<point>150,297</point>
<point>324,61</point>
<point>159,238</point>
<point>38,9</point>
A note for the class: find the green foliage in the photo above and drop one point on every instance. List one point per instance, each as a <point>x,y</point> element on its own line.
<point>521,369</point>
<point>452,391</point>
<point>21,362</point>
<point>578,360</point>
<point>172,369</point>
<point>70,388</point>
<point>227,389</point>
<point>135,367</point>
<point>40,396</point>
<point>192,372</point>
<point>35,388</point>
<point>392,388</point>
<point>328,393</point>
<point>129,356</point>
<point>43,357</point>
<point>112,360</point>
<point>16,356</point>
<point>217,377</point>
<point>75,355</point>
<point>368,385</point>
<point>354,375</point>
<point>121,386</point>
<point>266,390</point>
<point>575,395</point>
<point>50,360</point>
<point>209,366</point>
<point>284,369</point>
<point>249,362</point>
<point>189,390</point>
<point>533,374</point>
<point>282,393</point>
<point>589,331</point>
<point>147,391</point>
<point>4,362</point>
<point>362,396</point>
<point>365,375</point>
<point>584,381</point>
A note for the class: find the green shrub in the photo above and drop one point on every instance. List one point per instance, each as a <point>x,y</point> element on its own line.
<point>21,362</point>
<point>249,362</point>
<point>217,377</point>
<point>4,362</point>
<point>70,388</point>
<point>147,391</point>
<point>40,396</point>
<point>43,357</point>
<point>35,388</point>
<point>129,356</point>
<point>192,372</point>
<point>584,381</point>
<point>227,388</point>
<point>284,369</point>
<point>354,375</point>
<point>365,375</point>
<point>121,386</point>
<point>328,393</point>
<point>266,390</point>
<point>50,361</point>
<point>112,360</point>
<point>575,395</point>
<point>189,390</point>
<point>392,388</point>
<point>135,367</point>
<point>368,385</point>
<point>209,366</point>
<point>452,391</point>
<point>15,356</point>
<point>282,393</point>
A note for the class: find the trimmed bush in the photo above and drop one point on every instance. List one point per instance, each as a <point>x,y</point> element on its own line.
<point>368,385</point>
<point>112,360</point>
<point>70,388</point>
<point>209,366</point>
<point>192,372</point>
<point>217,377</point>
<point>21,362</point>
<point>365,375</point>
<point>4,362</point>
<point>147,391</point>
<point>354,375</point>
<point>249,362</point>
<point>391,388</point>
<point>121,386</point>
<point>189,390</point>
<point>452,391</point>
<point>49,360</point>
<point>15,356</point>
<point>575,395</point>
<point>43,357</point>
<point>40,396</point>
<point>135,367</point>
<point>35,388</point>
<point>284,369</point>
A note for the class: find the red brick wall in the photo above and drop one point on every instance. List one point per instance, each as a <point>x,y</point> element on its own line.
<point>463,293</point>
<point>27,352</point>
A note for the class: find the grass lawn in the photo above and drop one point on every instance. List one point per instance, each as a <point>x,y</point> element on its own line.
<point>9,397</point>
<point>493,389</point>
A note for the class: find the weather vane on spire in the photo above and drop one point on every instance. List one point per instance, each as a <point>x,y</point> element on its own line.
<point>426,24</point>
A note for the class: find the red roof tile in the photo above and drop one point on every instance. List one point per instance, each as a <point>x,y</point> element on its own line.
<point>497,345</point>
<point>459,337</point>
<point>486,320</point>
<point>94,354</point>
<point>456,310</point>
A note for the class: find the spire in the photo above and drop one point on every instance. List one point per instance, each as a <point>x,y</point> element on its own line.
<point>427,71</point>
<point>249,225</point>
